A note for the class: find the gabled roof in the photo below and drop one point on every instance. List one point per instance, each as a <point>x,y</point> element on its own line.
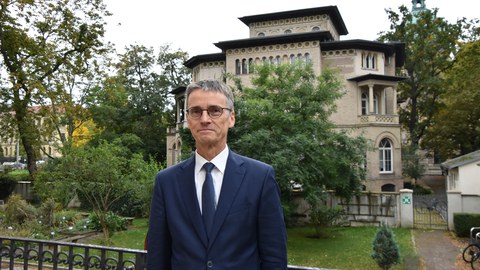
<point>273,40</point>
<point>331,11</point>
<point>461,160</point>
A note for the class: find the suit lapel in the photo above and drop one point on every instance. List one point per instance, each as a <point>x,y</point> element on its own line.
<point>187,189</point>
<point>232,179</point>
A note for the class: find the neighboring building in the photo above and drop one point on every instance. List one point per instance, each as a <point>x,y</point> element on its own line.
<point>11,147</point>
<point>462,181</point>
<point>462,174</point>
<point>369,106</point>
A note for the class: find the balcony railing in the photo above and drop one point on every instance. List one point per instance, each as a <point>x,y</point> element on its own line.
<point>379,119</point>
<point>27,254</point>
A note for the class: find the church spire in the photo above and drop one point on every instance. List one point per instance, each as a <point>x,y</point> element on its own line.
<point>417,7</point>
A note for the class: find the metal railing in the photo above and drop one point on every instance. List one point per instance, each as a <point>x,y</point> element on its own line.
<point>18,253</point>
<point>25,253</point>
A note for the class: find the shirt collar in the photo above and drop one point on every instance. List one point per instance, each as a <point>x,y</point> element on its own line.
<point>220,161</point>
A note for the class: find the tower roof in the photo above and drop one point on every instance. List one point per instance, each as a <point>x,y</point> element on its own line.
<point>331,11</point>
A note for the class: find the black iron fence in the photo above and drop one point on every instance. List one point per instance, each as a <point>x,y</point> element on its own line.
<point>25,253</point>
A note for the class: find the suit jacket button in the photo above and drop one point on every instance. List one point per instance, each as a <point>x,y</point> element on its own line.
<point>209,264</point>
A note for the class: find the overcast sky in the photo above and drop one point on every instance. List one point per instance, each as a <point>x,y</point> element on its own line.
<point>194,25</point>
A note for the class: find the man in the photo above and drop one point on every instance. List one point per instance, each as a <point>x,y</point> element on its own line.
<point>238,222</point>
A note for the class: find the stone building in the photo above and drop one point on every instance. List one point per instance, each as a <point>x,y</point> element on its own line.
<point>369,106</point>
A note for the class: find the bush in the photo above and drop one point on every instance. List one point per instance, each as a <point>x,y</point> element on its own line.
<point>18,211</point>
<point>323,216</point>
<point>385,248</point>
<point>114,222</point>
<point>463,222</point>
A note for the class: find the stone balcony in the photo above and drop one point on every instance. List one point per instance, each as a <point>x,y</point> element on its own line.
<point>379,119</point>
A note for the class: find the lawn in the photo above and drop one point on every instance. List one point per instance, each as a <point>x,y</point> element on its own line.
<point>343,248</point>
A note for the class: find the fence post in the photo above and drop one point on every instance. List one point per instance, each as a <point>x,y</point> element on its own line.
<point>406,208</point>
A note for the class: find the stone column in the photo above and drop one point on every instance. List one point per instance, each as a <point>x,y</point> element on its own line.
<point>370,99</point>
<point>406,208</point>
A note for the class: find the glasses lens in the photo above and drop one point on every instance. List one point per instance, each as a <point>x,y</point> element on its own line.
<point>215,111</point>
<point>195,112</point>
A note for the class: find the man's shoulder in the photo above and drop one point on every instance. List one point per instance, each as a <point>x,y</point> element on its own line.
<point>249,161</point>
<point>177,167</point>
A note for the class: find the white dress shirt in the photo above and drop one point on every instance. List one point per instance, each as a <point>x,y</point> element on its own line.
<point>220,162</point>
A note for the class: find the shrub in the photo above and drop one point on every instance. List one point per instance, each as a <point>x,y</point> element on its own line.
<point>323,216</point>
<point>385,248</point>
<point>46,211</point>
<point>114,222</point>
<point>463,222</point>
<point>17,210</point>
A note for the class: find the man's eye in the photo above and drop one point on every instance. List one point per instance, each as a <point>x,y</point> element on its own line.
<point>195,111</point>
<point>215,109</point>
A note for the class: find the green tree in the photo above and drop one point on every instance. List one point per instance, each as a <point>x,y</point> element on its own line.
<point>38,41</point>
<point>137,100</point>
<point>431,43</point>
<point>101,175</point>
<point>283,119</point>
<point>456,127</point>
<point>412,165</point>
<point>385,248</point>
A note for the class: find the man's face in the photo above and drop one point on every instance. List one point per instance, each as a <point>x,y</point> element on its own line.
<point>207,131</point>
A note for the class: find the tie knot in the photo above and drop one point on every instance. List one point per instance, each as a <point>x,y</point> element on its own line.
<point>208,167</point>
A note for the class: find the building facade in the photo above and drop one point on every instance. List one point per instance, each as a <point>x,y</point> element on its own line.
<point>11,147</point>
<point>369,106</point>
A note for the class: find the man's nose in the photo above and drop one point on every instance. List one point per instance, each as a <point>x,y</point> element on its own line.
<point>205,117</point>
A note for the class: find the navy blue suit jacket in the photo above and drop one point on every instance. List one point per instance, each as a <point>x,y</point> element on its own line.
<point>248,231</point>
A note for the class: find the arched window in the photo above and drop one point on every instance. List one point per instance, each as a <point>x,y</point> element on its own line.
<point>244,66</point>
<point>250,65</point>
<point>299,57</point>
<point>316,28</point>
<point>271,60</point>
<point>292,58</point>
<point>369,60</point>
<point>388,188</point>
<point>238,66</point>
<point>385,156</point>
<point>288,31</point>
<point>278,60</point>
<point>261,34</point>
<point>307,58</point>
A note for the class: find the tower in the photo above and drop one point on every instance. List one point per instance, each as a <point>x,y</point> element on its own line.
<point>417,7</point>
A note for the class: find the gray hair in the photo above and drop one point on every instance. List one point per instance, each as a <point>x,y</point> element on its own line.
<point>212,86</point>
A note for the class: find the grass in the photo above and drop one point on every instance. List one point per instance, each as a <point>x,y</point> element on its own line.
<point>343,248</point>
<point>132,238</point>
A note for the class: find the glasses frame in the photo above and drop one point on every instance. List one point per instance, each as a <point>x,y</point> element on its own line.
<point>209,114</point>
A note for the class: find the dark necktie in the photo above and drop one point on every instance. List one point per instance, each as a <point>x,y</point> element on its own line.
<point>208,197</point>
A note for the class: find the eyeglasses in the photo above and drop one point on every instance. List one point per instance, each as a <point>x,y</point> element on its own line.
<point>213,111</point>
